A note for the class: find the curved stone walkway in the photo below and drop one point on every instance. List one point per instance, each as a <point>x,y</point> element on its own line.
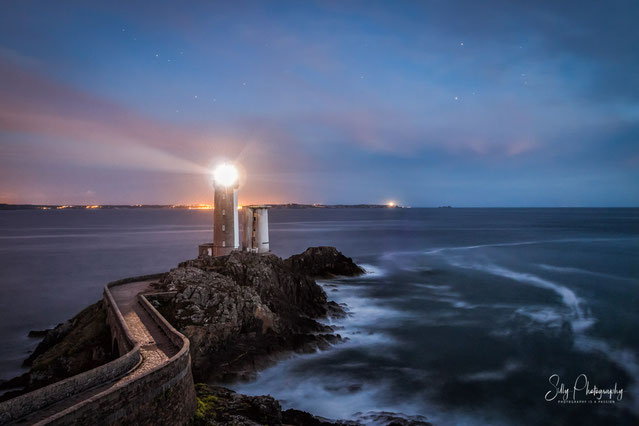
<point>155,347</point>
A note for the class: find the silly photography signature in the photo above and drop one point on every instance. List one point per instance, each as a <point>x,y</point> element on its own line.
<point>582,391</point>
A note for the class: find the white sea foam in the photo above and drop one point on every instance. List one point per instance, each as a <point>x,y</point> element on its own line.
<point>372,271</point>
<point>544,315</point>
<point>443,293</point>
<point>338,397</point>
<point>624,358</point>
<point>579,321</point>
<point>521,243</point>
<point>456,303</point>
<point>570,270</point>
<point>438,288</point>
<point>492,375</point>
<point>312,394</point>
<point>363,313</point>
<point>568,296</point>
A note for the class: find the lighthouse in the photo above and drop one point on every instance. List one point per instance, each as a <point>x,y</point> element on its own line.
<point>226,232</point>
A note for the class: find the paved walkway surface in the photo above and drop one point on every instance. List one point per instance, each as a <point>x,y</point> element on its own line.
<point>155,347</point>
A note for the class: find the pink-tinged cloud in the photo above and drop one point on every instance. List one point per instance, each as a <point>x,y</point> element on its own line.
<point>78,129</point>
<point>80,121</point>
<point>92,127</point>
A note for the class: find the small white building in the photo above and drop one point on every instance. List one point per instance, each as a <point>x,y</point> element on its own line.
<point>255,229</point>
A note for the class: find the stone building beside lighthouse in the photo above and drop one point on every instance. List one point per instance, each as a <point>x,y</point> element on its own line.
<point>255,229</point>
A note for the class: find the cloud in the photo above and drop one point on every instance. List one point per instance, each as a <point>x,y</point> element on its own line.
<point>46,125</point>
<point>535,85</point>
<point>85,129</point>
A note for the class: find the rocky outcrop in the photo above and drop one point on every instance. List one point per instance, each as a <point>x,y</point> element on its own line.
<point>78,345</point>
<point>302,418</point>
<point>220,406</point>
<point>323,262</point>
<point>241,312</point>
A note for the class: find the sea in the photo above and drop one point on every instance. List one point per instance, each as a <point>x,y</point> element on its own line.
<point>464,316</point>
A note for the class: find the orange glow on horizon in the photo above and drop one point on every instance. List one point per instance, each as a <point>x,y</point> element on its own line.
<point>200,207</point>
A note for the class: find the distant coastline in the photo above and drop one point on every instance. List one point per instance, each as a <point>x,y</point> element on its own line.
<point>188,206</point>
<point>277,206</point>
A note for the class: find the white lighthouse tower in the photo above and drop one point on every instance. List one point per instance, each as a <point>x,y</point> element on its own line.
<point>255,227</point>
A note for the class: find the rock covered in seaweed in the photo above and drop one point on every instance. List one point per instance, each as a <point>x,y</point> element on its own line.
<point>323,262</point>
<point>220,406</point>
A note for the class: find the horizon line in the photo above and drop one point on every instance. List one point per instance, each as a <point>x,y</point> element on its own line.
<point>201,206</point>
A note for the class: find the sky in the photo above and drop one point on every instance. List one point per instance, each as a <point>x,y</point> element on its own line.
<point>464,103</point>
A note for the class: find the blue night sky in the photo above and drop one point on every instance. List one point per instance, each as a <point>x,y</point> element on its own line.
<point>467,103</point>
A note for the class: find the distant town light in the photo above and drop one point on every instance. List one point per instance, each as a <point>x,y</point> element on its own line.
<point>391,204</point>
<point>225,175</point>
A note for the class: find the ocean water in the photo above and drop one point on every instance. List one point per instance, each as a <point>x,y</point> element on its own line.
<point>463,317</point>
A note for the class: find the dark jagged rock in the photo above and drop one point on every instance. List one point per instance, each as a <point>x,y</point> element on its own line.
<point>323,262</point>
<point>38,334</point>
<point>78,345</point>
<point>388,418</point>
<point>50,338</point>
<point>302,418</point>
<point>241,312</point>
<point>221,406</point>
<point>282,289</point>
